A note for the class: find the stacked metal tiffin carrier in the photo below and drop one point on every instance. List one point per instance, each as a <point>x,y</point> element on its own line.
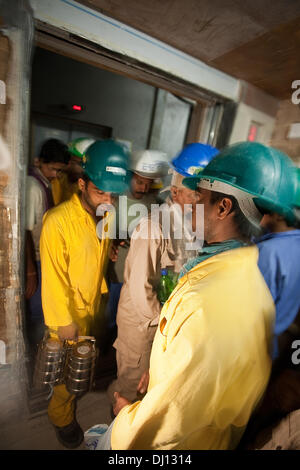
<point>66,362</point>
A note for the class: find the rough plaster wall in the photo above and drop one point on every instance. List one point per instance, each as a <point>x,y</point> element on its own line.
<point>287,114</point>
<point>12,372</point>
<point>5,245</point>
<point>15,38</point>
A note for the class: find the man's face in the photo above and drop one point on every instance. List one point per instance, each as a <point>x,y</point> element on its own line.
<point>140,186</point>
<point>92,197</point>
<point>184,196</point>
<point>51,170</point>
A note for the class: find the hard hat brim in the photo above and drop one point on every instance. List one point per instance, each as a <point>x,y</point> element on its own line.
<point>145,175</point>
<point>113,186</point>
<point>179,170</point>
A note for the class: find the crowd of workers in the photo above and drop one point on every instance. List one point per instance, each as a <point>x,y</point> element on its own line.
<point>209,368</point>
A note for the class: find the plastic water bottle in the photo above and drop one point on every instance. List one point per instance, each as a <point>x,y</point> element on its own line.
<point>172,280</point>
<point>163,288</point>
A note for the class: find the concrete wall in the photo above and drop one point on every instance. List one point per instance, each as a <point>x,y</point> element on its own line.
<point>258,108</point>
<point>288,113</point>
<point>247,115</point>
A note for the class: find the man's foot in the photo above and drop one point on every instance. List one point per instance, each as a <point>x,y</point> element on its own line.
<point>70,436</point>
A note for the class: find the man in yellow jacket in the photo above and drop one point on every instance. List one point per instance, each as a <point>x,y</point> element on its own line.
<point>66,184</point>
<point>74,262</point>
<point>210,360</point>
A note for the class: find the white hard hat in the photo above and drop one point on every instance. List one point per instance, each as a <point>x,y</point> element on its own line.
<point>79,146</point>
<point>149,163</point>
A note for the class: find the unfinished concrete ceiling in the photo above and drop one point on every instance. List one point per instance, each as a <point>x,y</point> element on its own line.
<point>254,40</point>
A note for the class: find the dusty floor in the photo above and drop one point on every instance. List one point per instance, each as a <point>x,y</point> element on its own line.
<point>37,433</point>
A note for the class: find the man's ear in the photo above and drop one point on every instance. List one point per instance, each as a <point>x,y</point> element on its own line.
<point>36,161</point>
<point>81,184</point>
<point>224,207</point>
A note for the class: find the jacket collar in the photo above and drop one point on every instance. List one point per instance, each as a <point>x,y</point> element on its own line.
<point>78,211</point>
<point>207,251</point>
<point>199,271</point>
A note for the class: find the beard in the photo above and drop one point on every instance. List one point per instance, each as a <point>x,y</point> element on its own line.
<point>88,203</point>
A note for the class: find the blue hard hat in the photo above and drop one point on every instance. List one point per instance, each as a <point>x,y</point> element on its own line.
<point>193,158</point>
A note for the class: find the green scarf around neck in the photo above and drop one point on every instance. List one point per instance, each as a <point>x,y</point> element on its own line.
<point>208,251</point>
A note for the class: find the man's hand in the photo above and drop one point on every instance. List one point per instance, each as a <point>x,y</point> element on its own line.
<point>113,254</point>
<point>143,383</point>
<point>120,402</point>
<point>69,332</point>
<point>31,284</point>
<point>114,250</point>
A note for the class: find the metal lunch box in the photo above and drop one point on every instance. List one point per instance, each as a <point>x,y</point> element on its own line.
<point>80,365</point>
<point>49,364</point>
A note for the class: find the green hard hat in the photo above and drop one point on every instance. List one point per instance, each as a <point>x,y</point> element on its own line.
<point>297,201</point>
<point>106,164</point>
<point>297,197</point>
<point>266,173</point>
<point>79,146</point>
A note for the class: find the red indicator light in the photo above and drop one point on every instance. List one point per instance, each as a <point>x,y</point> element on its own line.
<point>252,133</point>
<point>76,107</point>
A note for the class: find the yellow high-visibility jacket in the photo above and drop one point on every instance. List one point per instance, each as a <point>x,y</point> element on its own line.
<point>210,362</point>
<point>73,261</point>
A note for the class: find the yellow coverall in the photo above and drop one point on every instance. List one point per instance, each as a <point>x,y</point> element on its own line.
<point>210,362</point>
<point>73,262</point>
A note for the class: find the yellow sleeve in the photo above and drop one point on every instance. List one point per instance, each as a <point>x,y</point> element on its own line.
<point>56,289</point>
